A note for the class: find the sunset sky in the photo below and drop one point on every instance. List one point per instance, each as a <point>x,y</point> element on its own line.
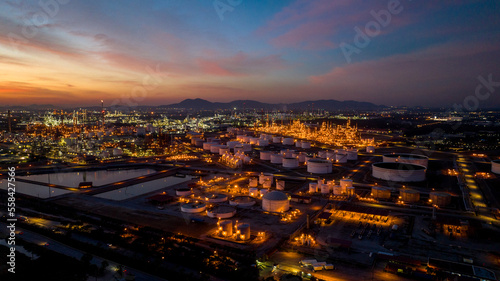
<point>77,52</point>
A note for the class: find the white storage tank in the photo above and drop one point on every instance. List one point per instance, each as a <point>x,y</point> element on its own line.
<point>232,144</point>
<point>302,157</point>
<point>370,149</point>
<point>267,183</point>
<point>280,185</point>
<point>265,155</point>
<point>306,144</point>
<point>208,145</point>
<point>337,190</point>
<point>400,172</point>
<point>313,187</point>
<point>216,198</point>
<point>276,139</point>
<point>221,212</point>
<point>183,191</point>
<point>288,141</point>
<point>319,166</point>
<point>265,177</point>
<point>275,201</point>
<point>253,182</point>
<point>322,154</point>
<point>495,166</point>
<point>330,155</point>
<point>223,149</point>
<point>287,152</point>
<point>276,158</point>
<point>409,195</point>
<point>254,140</point>
<point>191,208</point>
<point>352,154</point>
<point>440,198</point>
<point>324,187</point>
<point>215,148</point>
<point>243,230</point>
<point>416,159</point>
<point>298,143</point>
<point>345,183</point>
<point>380,192</point>
<point>242,201</point>
<point>263,191</point>
<point>261,142</point>
<point>226,228</point>
<point>341,158</point>
<point>351,191</point>
<point>290,163</point>
<point>253,192</point>
<point>199,142</point>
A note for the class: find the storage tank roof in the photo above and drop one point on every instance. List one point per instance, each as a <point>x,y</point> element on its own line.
<point>275,196</point>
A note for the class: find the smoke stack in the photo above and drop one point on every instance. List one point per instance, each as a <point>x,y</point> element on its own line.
<point>9,121</point>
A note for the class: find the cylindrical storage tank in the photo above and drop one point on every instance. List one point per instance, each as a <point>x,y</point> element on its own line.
<point>313,187</point>
<point>276,158</point>
<point>193,207</point>
<point>345,183</point>
<point>280,185</point>
<point>183,191</point>
<point>400,172</point>
<point>288,141</point>
<point>337,190</point>
<point>238,148</point>
<point>261,142</point>
<point>215,148</point>
<point>370,149</point>
<point>409,195</point>
<point>298,143</point>
<point>244,231</point>
<point>213,140</point>
<point>199,143</point>
<point>263,191</point>
<point>207,145</point>
<point>440,198</point>
<point>351,191</point>
<point>267,183</point>
<point>242,201</point>
<point>232,144</point>
<point>306,144</point>
<point>330,155</point>
<point>265,177</point>
<point>216,198</point>
<point>246,139</point>
<point>275,201</point>
<point>407,158</point>
<point>287,152</point>
<point>253,182</point>
<point>290,163</point>
<point>319,166</point>
<point>253,140</point>
<point>302,157</point>
<point>221,212</point>
<point>276,139</point>
<point>223,149</point>
<point>265,155</point>
<point>226,228</point>
<point>325,188</point>
<point>341,158</point>
<point>247,147</point>
<point>352,154</point>
<point>379,192</point>
<point>495,166</point>
<point>322,154</point>
<point>253,192</point>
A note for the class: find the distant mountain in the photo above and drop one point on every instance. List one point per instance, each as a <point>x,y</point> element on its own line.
<point>251,104</point>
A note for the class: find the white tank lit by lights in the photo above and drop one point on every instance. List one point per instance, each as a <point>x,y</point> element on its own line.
<point>341,158</point>
<point>243,230</point>
<point>370,149</point>
<point>183,191</point>
<point>302,157</point>
<point>352,154</point>
<point>222,212</point>
<point>276,158</point>
<point>337,190</point>
<point>223,149</point>
<point>319,166</point>
<point>253,182</point>
<point>265,177</point>
<point>290,162</point>
<point>253,140</point>
<point>409,195</point>
<point>267,183</point>
<point>195,207</point>
<point>288,141</point>
<point>226,228</point>
<point>265,155</point>
<point>275,201</point>
<point>287,152</point>
<point>399,172</point>
<point>322,154</point>
<point>298,143</point>
<point>416,159</point>
<point>440,198</point>
<point>208,145</point>
<point>261,142</point>
<point>380,192</point>
<point>306,144</point>
<point>263,191</point>
<point>253,192</point>
<point>280,185</point>
<point>313,187</point>
<point>345,183</point>
<point>242,201</point>
<point>351,191</point>
<point>495,166</point>
<point>199,142</point>
<point>232,144</point>
<point>216,197</point>
<point>276,139</point>
<point>215,148</point>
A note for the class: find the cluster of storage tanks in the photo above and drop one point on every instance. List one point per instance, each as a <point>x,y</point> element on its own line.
<point>344,187</point>
<point>408,195</point>
<point>237,231</point>
<point>287,158</point>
